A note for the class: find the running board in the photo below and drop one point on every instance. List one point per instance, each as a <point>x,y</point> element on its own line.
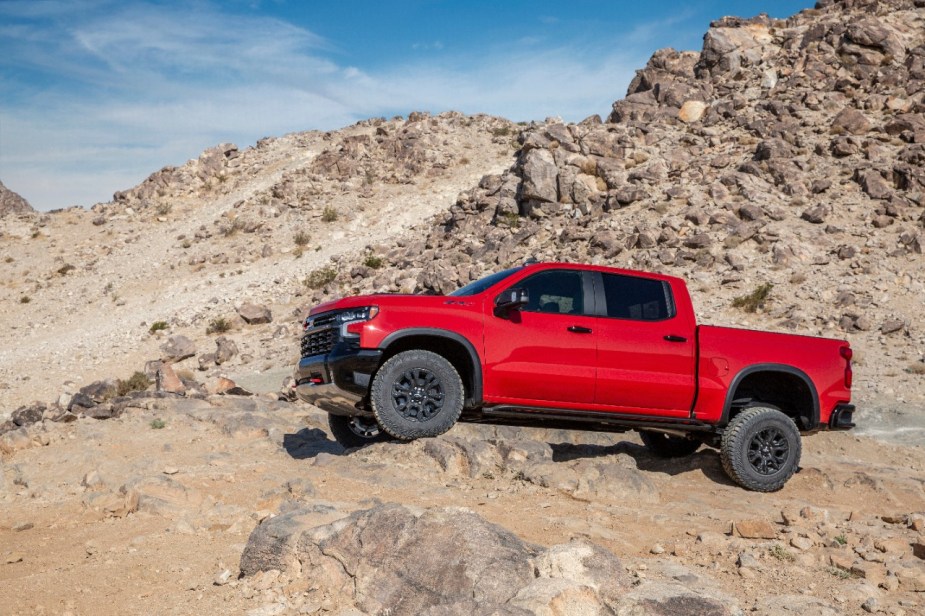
<point>582,420</point>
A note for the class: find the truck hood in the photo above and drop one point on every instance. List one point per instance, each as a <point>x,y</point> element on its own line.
<point>386,300</point>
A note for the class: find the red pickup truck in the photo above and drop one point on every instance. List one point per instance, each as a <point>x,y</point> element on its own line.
<point>580,347</point>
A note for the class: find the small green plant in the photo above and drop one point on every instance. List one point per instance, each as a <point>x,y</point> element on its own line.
<point>373,262</point>
<point>839,573</point>
<point>301,239</point>
<point>329,214</point>
<point>502,131</point>
<point>218,325</point>
<point>137,382</point>
<point>511,219</point>
<point>320,277</point>
<point>158,326</point>
<point>754,300</point>
<point>841,539</point>
<point>64,269</point>
<point>163,209</point>
<point>158,424</point>
<point>916,367</point>
<point>781,553</point>
<point>25,299</point>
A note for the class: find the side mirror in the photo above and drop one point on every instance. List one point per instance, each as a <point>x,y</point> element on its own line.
<point>511,299</point>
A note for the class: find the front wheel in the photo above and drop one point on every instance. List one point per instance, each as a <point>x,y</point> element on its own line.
<point>760,449</point>
<point>668,446</point>
<point>417,394</point>
<point>355,431</point>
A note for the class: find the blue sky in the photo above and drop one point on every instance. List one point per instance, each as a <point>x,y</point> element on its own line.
<point>97,94</point>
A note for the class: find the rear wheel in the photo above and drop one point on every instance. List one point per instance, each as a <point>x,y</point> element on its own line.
<point>761,449</point>
<point>417,394</point>
<point>667,445</point>
<point>355,431</point>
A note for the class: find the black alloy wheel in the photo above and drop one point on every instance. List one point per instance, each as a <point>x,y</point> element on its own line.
<point>760,449</point>
<point>417,394</point>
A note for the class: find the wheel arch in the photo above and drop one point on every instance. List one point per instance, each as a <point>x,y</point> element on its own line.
<point>457,349</point>
<point>783,387</point>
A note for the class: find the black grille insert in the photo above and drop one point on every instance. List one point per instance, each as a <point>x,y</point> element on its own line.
<point>319,341</point>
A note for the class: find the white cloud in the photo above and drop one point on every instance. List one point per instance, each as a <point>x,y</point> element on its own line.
<point>147,86</point>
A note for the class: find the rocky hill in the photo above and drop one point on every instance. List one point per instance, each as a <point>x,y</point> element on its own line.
<point>83,290</point>
<point>786,153</point>
<point>789,152</point>
<point>11,202</point>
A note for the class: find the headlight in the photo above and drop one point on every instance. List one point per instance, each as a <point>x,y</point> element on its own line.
<point>358,314</point>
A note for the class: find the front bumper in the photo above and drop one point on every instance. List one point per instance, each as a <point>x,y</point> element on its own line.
<point>841,418</point>
<point>338,382</point>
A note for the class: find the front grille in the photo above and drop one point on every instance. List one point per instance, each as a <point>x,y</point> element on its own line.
<point>319,341</point>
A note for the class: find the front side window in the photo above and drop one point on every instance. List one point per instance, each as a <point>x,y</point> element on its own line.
<point>555,292</point>
<point>640,299</point>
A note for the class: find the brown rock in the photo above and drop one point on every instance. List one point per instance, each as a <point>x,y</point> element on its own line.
<point>255,314</point>
<point>177,348</point>
<point>918,548</point>
<point>168,381</point>
<point>850,120</point>
<point>692,111</point>
<point>891,326</point>
<point>225,350</point>
<point>755,529</point>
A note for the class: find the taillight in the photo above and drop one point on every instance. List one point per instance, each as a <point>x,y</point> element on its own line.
<point>847,354</point>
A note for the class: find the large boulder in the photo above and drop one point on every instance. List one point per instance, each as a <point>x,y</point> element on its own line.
<point>540,176</point>
<point>446,561</point>
<point>177,348</point>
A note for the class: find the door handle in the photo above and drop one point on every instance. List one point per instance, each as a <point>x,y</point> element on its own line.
<point>578,329</point>
<point>673,338</point>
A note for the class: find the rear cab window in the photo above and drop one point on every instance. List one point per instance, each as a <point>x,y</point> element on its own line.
<point>637,298</point>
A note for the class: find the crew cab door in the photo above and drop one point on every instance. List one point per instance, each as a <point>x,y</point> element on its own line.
<point>543,354</point>
<point>646,347</point>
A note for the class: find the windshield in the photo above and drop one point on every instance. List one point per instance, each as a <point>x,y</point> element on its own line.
<point>481,284</point>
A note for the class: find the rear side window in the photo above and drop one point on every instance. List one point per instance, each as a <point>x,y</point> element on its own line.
<point>640,299</point>
<point>556,292</point>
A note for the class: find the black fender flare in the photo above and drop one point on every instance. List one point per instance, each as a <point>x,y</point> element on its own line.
<point>808,422</point>
<point>476,397</point>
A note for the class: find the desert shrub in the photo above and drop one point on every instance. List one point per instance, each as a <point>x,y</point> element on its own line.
<point>501,131</point>
<point>320,277</point>
<point>64,269</point>
<point>25,299</point>
<point>158,424</point>
<point>329,214</point>
<point>781,553</point>
<point>300,239</point>
<point>373,262</point>
<point>137,382</point>
<point>218,325</point>
<point>158,326</point>
<point>754,300</point>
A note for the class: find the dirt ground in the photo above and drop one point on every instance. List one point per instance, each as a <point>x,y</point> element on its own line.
<point>68,543</point>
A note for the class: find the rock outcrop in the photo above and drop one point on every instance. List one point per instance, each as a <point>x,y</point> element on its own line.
<point>12,203</point>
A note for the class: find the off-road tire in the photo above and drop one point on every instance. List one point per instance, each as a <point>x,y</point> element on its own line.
<point>355,431</point>
<point>417,394</point>
<point>761,449</point>
<point>667,445</point>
